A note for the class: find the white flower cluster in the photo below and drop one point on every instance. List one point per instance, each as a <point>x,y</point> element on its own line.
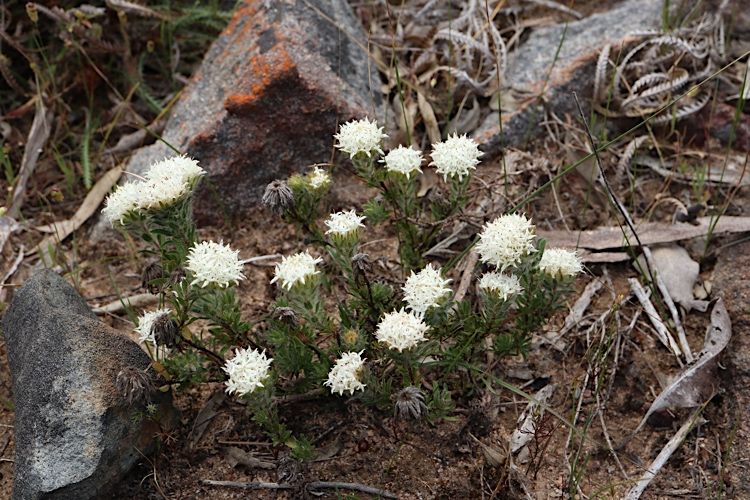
<point>344,223</point>
<point>247,370</point>
<point>214,263</point>
<point>504,241</point>
<point>403,160</point>
<point>401,330</point>
<point>318,178</point>
<point>145,328</point>
<point>165,183</point>
<point>455,156</point>
<point>344,376</point>
<point>295,269</point>
<point>360,136</point>
<point>425,289</point>
<point>502,285</point>
<point>560,263</point>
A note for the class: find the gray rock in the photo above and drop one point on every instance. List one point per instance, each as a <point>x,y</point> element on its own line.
<point>267,100</point>
<point>537,67</point>
<point>75,435</point>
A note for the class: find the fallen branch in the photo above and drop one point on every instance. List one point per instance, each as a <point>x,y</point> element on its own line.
<point>320,485</point>
<point>259,485</point>
<point>119,305</point>
<point>661,459</point>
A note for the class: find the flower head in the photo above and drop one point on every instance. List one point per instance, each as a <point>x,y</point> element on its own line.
<point>360,136</point>
<point>214,263</point>
<point>295,269</point>
<point>455,156</point>
<point>124,200</point>
<point>560,263</point>
<point>403,160</point>
<point>505,240</point>
<point>344,223</point>
<point>318,178</point>
<point>166,182</point>
<point>179,168</point>
<point>147,323</point>
<point>247,370</point>
<point>501,285</point>
<point>425,289</point>
<point>401,330</point>
<point>344,376</point>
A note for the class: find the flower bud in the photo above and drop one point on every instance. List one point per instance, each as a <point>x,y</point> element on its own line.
<point>409,403</point>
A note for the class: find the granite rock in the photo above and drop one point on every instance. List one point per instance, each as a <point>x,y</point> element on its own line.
<point>75,434</point>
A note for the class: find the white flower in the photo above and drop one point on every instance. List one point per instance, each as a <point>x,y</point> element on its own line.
<point>295,269</point>
<point>502,285</point>
<point>318,178</point>
<point>247,370</point>
<point>214,263</point>
<point>344,376</point>
<point>343,223</point>
<point>124,200</point>
<point>505,240</point>
<point>455,156</point>
<point>165,182</point>
<point>180,168</point>
<point>401,330</point>
<point>558,262</point>
<point>403,160</point>
<point>360,136</point>
<point>425,289</point>
<point>145,328</point>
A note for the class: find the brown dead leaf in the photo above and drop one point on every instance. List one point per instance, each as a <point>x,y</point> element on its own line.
<point>679,273</point>
<point>429,119</point>
<point>697,382</point>
<point>205,415</point>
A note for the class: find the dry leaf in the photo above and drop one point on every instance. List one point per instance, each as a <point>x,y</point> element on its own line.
<point>679,273</point>
<point>650,233</point>
<point>696,383</point>
<point>205,415</point>
<point>429,119</point>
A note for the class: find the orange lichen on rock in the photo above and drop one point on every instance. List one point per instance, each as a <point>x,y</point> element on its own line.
<point>265,69</point>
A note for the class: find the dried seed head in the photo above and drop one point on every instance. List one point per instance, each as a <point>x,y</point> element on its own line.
<point>278,196</point>
<point>153,271</point>
<point>361,265</point>
<point>361,262</point>
<point>177,276</point>
<point>285,315</point>
<point>409,403</point>
<point>134,385</point>
<point>166,331</point>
